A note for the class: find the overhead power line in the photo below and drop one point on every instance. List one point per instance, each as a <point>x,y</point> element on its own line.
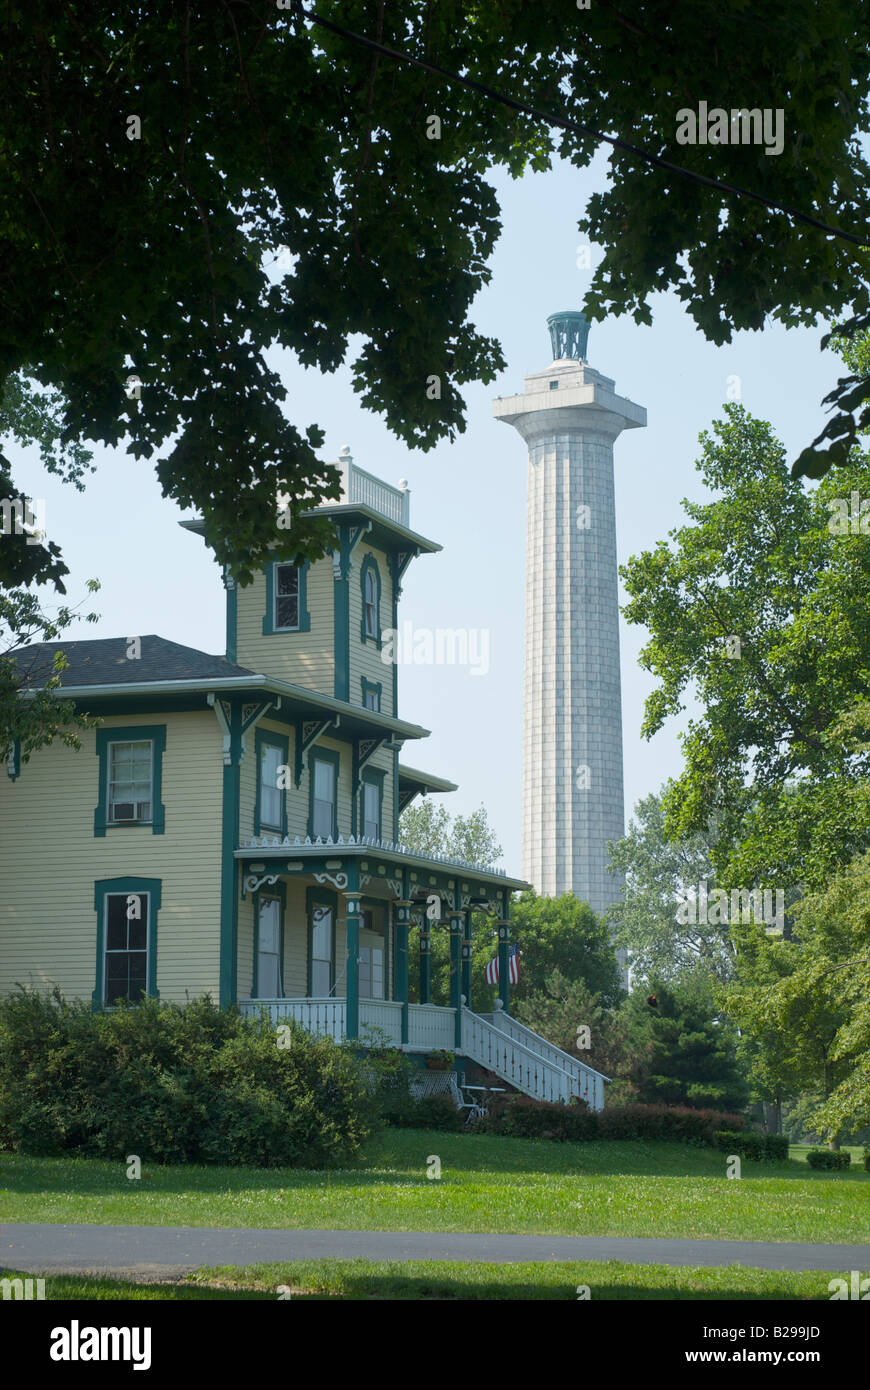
<point>575,127</point>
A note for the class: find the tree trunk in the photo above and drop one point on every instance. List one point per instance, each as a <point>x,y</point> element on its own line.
<point>829,1086</point>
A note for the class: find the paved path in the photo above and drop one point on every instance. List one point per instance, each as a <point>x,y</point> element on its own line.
<point>167,1250</point>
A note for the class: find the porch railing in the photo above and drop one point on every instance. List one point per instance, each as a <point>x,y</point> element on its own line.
<point>588,1083</point>
<point>526,1070</point>
<point>494,1041</point>
<point>428,1025</point>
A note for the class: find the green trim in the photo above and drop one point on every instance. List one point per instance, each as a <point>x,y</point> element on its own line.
<point>396,797</point>
<point>467,941</point>
<point>102,888</point>
<point>325,898</point>
<point>397,569</point>
<point>373,688</point>
<point>304,625</point>
<point>341,636</point>
<point>232,618</point>
<point>13,762</point>
<point>133,733</point>
<point>351,926</point>
<point>455,915</point>
<point>262,738</point>
<point>230,797</point>
<point>277,891</point>
<point>370,563</point>
<point>400,918</point>
<point>326,755</point>
<point>374,777</point>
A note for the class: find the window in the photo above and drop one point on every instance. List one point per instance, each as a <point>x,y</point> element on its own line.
<point>321,950</point>
<point>370,580</point>
<point>130,782</point>
<point>371,810</point>
<point>323,810</point>
<point>371,611</point>
<point>130,777</point>
<point>371,956</point>
<point>126,911</point>
<point>371,972</point>
<point>125,970</point>
<point>371,695</point>
<point>286,597</point>
<point>554,385</point>
<point>271,795</point>
<point>371,801</point>
<point>268,980</point>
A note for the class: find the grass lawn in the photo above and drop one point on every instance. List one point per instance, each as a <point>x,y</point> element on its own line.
<point>430,1279</point>
<point>487,1184</point>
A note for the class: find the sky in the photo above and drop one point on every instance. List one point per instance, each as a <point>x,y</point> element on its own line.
<point>469,496</point>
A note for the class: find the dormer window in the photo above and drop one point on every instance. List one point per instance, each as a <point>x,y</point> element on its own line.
<point>286,598</point>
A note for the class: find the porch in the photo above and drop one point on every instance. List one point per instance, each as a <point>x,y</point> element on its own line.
<point>327,924</point>
<point>495,1041</point>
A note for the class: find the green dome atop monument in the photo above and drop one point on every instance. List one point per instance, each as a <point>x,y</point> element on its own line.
<point>569,334</point>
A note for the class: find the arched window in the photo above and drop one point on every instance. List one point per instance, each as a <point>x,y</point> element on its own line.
<point>370,578</point>
<point>371,608</point>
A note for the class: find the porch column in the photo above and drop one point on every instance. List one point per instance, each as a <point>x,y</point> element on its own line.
<point>400,936</point>
<point>456,917</point>
<point>466,957</point>
<point>504,955</point>
<point>351,1026</point>
<point>425,963</point>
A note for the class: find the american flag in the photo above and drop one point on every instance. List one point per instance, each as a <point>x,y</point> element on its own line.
<point>513,968</point>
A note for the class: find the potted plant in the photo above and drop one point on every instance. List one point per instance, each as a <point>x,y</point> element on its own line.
<point>440,1060</point>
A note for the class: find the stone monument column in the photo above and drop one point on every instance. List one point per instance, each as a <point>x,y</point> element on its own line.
<point>569,416</point>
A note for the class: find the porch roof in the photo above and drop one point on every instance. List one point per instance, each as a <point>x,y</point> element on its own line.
<point>413,778</point>
<point>361,847</point>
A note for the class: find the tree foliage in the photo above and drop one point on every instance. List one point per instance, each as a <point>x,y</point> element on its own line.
<point>656,871</point>
<point>763,565</point>
<point>686,1053</point>
<point>154,160</point>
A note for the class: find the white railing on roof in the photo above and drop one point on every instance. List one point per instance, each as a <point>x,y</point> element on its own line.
<point>359,486</point>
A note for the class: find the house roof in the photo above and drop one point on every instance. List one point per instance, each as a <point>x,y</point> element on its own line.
<point>104,661</point>
<point>166,671</point>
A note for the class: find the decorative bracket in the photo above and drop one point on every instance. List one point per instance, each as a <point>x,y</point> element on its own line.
<point>399,562</point>
<point>308,731</point>
<point>224,711</point>
<point>338,881</point>
<point>342,562</point>
<point>252,883</point>
<point>363,750</point>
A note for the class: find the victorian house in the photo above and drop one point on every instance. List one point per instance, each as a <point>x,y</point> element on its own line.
<point>231,826</point>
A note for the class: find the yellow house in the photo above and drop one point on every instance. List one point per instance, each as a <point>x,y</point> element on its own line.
<point>231,827</point>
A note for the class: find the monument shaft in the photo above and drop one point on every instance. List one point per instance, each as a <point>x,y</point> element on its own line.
<point>573,805</point>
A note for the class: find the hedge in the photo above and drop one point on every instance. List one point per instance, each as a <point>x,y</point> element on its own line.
<point>829,1158</point>
<point>522,1117</point>
<point>764,1148</point>
<point>174,1084</point>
